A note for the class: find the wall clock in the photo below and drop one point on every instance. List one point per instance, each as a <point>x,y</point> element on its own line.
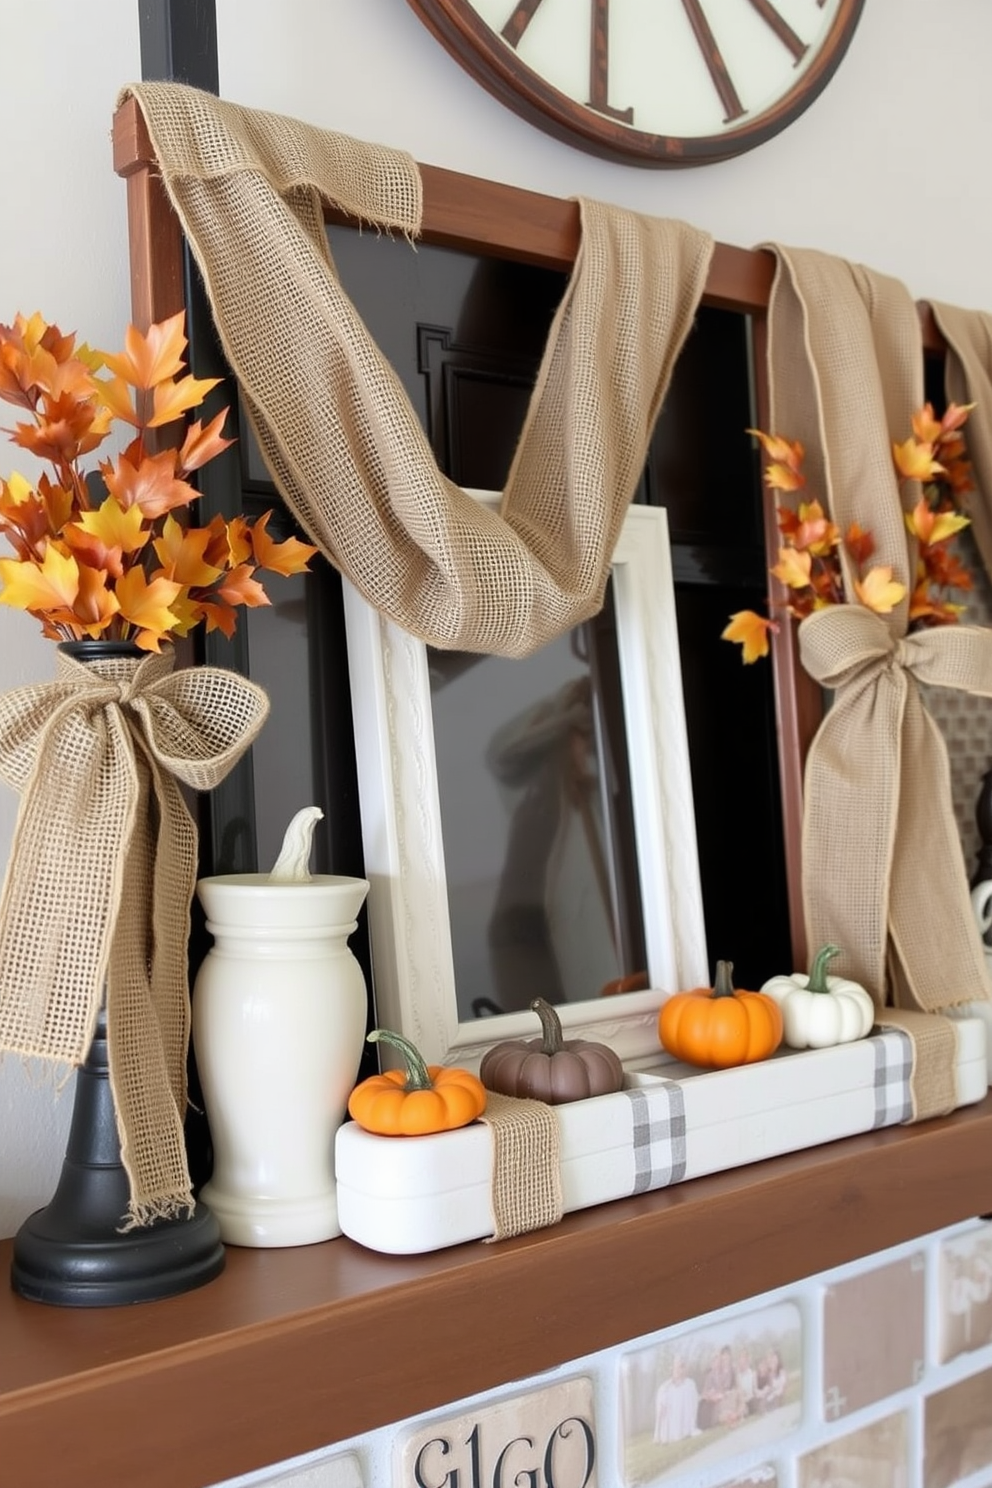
<point>650,82</point>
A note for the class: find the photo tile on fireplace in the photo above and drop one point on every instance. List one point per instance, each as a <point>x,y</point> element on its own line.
<point>965,1294</point>
<point>875,1456</point>
<point>709,1394</point>
<point>957,1431</point>
<point>873,1335</point>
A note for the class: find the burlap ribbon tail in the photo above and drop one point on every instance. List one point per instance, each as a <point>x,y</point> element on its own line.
<point>336,428</point>
<point>883,871</point>
<point>97,892</point>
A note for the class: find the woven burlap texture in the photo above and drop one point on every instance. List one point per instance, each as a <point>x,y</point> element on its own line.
<point>968,379</point>
<point>526,1182</point>
<point>883,873</point>
<point>335,426</point>
<point>100,879</point>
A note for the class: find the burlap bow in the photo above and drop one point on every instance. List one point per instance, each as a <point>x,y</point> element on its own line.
<point>883,871</point>
<point>100,879</point>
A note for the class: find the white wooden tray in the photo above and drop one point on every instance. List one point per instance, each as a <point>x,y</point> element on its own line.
<point>405,1195</point>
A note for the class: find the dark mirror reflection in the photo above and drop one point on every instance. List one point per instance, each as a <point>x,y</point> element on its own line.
<point>541,868</point>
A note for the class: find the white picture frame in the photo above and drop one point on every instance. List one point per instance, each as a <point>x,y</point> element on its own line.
<point>408,910</point>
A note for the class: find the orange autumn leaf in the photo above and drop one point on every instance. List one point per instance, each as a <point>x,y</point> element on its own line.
<point>751,632</point>
<point>879,591</point>
<point>171,400</point>
<point>219,617</point>
<point>150,359</point>
<point>932,527</point>
<point>145,604</point>
<point>201,445</point>
<point>788,452</point>
<point>239,588</point>
<point>180,553</point>
<point>288,557</point>
<point>151,485</point>
<point>859,544</point>
<point>95,605</point>
<point>51,585</point>
<point>814,531</point>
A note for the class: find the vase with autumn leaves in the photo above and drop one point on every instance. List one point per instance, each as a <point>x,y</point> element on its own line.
<point>94,915</point>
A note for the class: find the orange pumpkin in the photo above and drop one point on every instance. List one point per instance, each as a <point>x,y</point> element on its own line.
<point>417,1100</point>
<point>719,1027</point>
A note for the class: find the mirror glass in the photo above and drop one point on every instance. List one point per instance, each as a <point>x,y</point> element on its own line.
<point>543,891</point>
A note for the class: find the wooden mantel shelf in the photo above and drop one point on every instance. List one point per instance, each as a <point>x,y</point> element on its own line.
<point>291,1350</point>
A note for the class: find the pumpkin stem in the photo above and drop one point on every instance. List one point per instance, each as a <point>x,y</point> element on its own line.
<point>818,971</point>
<point>550,1026</point>
<point>417,1075</point>
<point>723,985</point>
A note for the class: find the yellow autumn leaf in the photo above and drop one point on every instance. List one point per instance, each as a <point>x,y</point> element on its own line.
<point>932,527</point>
<point>793,568</point>
<point>50,585</point>
<point>914,460</point>
<point>144,603</point>
<point>172,399</point>
<point>879,591</point>
<point>116,526</point>
<point>115,395</point>
<point>180,552</point>
<point>750,631</point>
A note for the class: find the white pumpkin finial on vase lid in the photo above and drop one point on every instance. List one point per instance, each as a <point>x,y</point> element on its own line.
<point>293,863</point>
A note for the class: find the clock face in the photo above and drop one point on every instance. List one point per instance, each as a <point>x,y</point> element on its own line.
<point>650,82</point>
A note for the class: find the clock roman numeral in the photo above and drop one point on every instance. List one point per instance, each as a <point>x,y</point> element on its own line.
<point>599,52</point>
<point>599,64</point>
<point>715,65</point>
<point>521,18</point>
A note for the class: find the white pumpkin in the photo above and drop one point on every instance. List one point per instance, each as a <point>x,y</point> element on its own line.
<point>819,1011</point>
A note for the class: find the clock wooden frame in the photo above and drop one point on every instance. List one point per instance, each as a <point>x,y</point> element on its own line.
<point>597,129</point>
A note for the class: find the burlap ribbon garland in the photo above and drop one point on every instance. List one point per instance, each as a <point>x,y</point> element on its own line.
<point>968,379</point>
<point>883,872</point>
<point>100,878</point>
<point>337,429</point>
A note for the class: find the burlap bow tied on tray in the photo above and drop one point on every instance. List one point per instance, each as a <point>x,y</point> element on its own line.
<point>883,871</point>
<point>100,880</point>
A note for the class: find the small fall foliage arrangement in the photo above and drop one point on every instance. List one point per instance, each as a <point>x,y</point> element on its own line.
<point>104,554</point>
<point>809,560</point>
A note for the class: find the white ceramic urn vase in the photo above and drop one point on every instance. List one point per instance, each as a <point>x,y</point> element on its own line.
<point>279,1017</point>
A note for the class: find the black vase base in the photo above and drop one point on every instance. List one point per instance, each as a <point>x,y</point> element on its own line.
<point>111,1269</point>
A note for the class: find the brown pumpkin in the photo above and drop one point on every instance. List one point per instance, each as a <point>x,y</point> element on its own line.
<point>550,1068</point>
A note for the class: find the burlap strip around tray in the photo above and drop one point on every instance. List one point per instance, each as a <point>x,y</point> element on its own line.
<point>100,878</point>
<point>335,425</point>
<point>526,1182</point>
<point>883,872</point>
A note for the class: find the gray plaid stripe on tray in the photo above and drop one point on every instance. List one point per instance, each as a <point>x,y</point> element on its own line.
<point>893,1066</point>
<point>659,1137</point>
